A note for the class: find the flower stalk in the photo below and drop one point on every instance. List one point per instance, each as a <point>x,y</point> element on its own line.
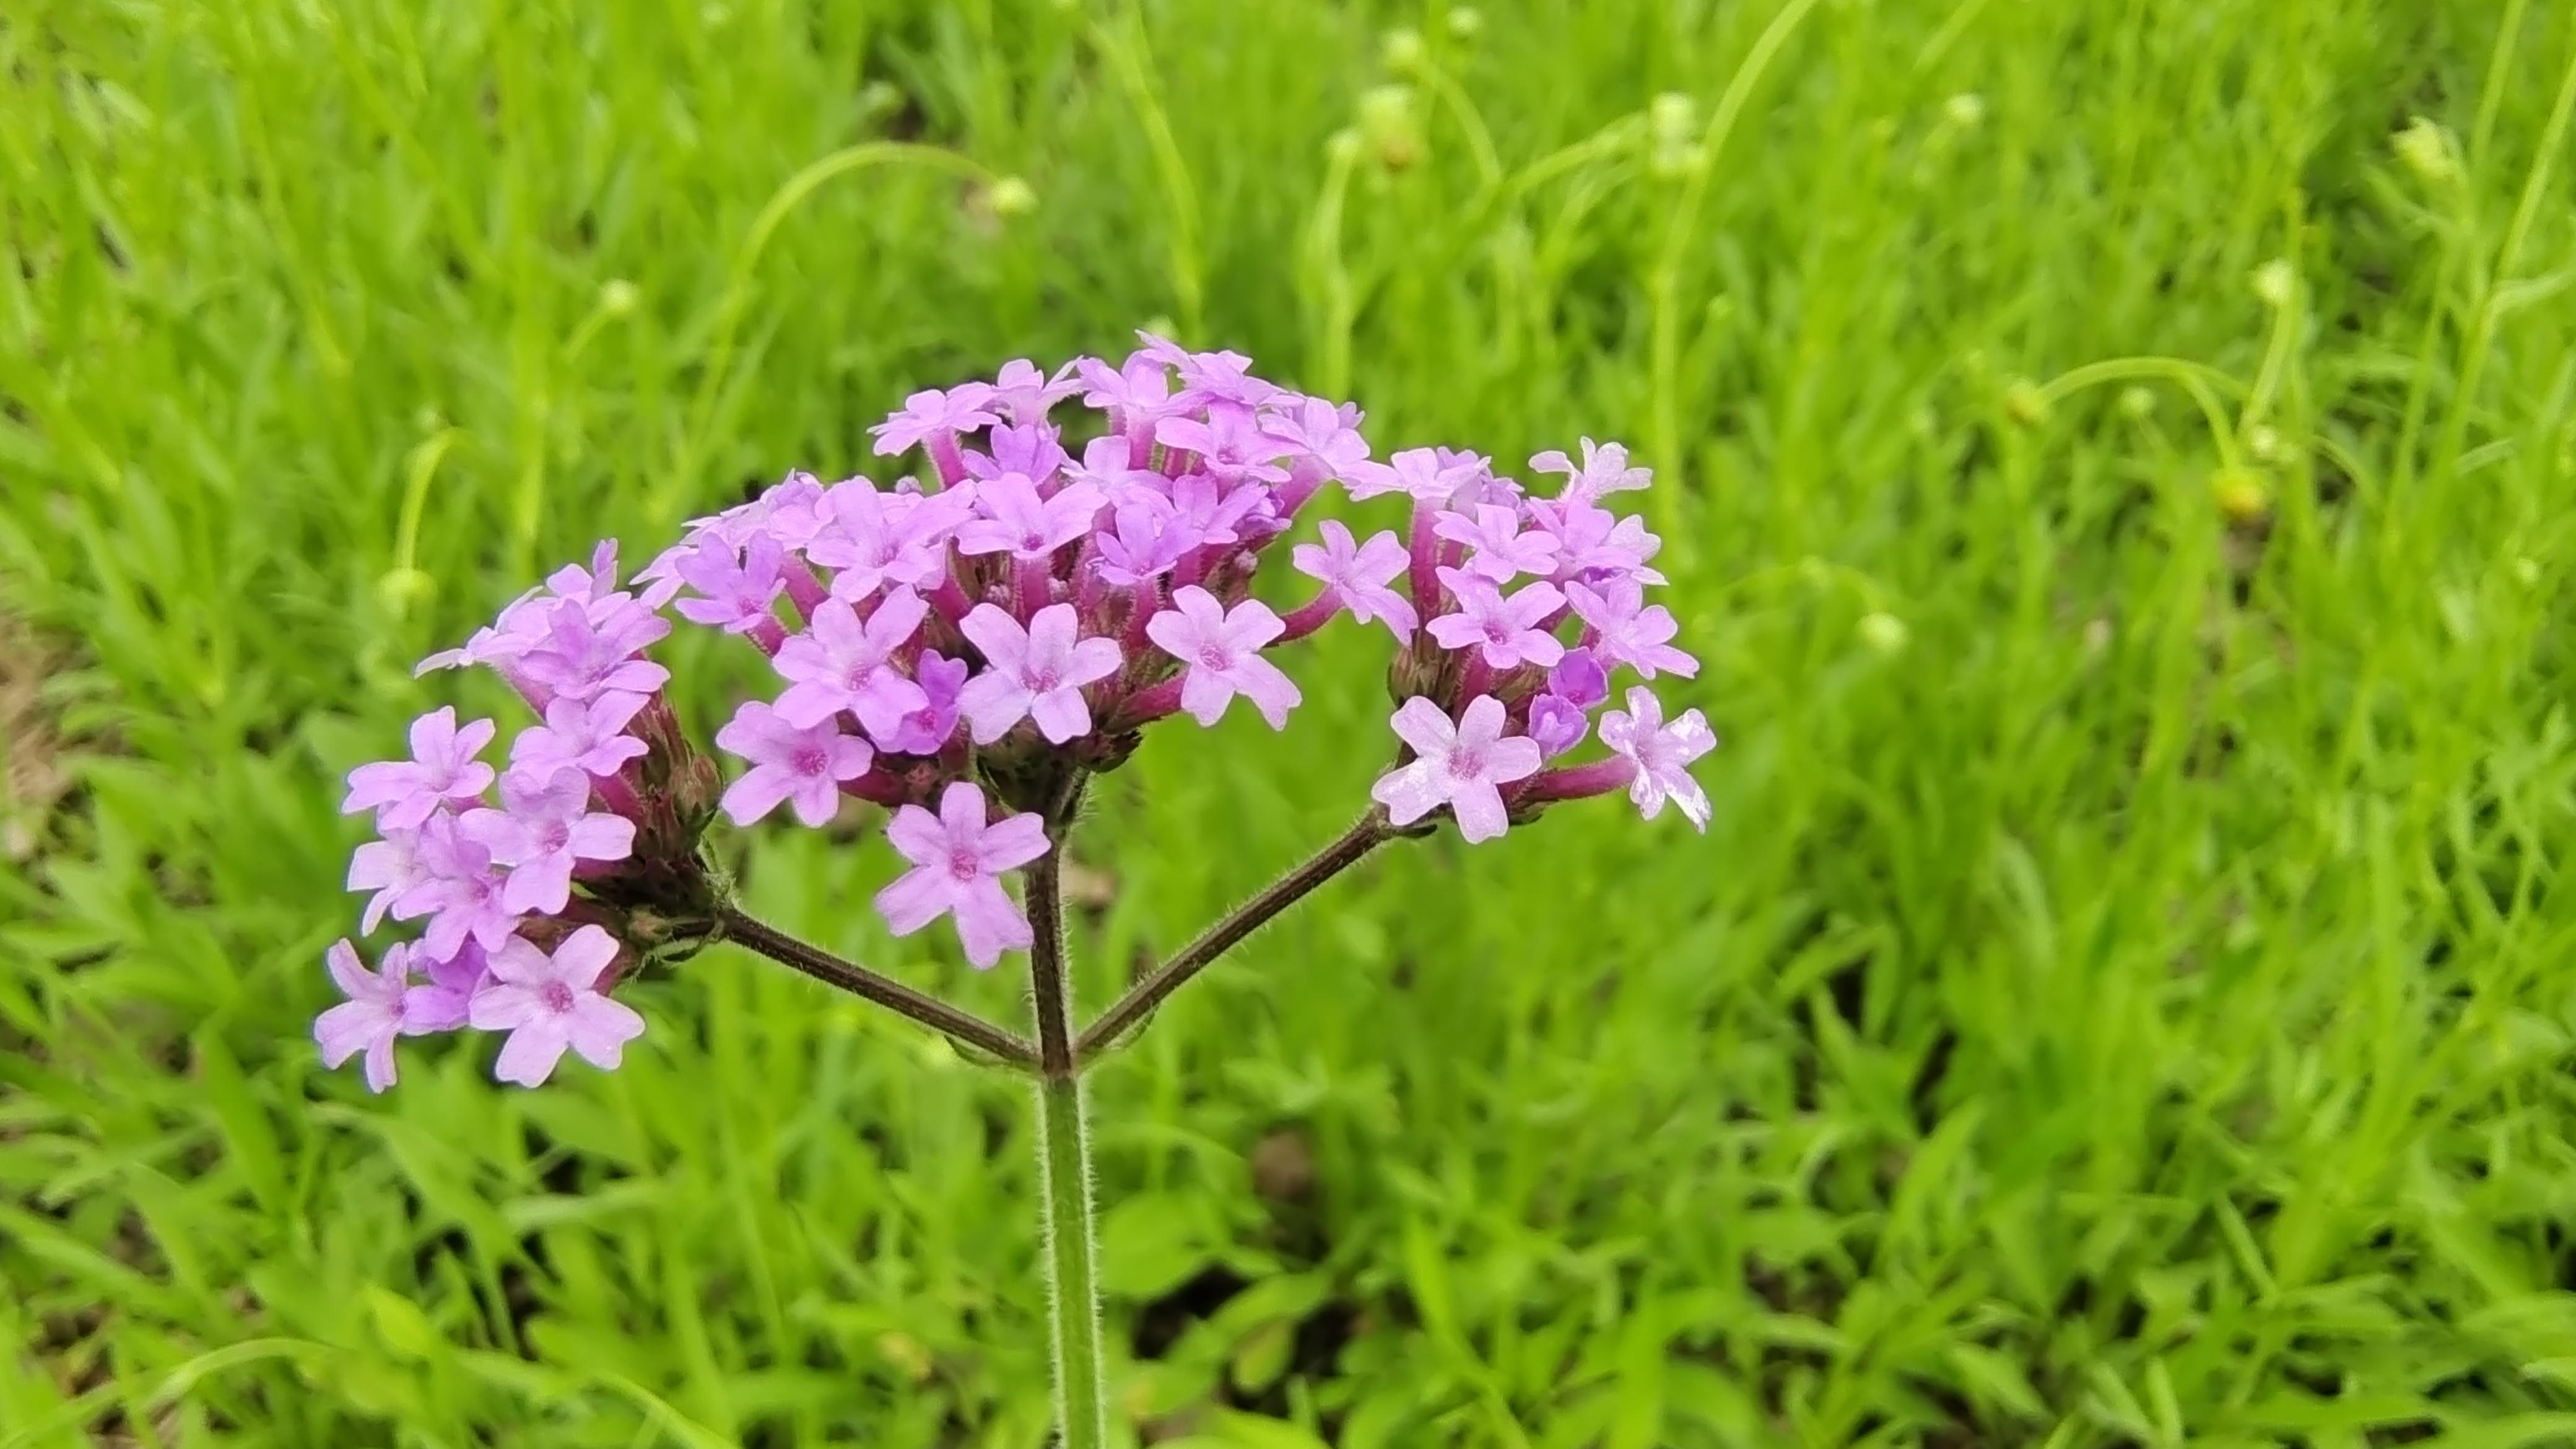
<point>964,648</point>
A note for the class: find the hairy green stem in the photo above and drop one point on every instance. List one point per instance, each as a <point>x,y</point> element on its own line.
<point>964,1028</point>
<point>1064,1157</point>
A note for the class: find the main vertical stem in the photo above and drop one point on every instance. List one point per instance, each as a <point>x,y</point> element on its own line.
<point>1064,1162</point>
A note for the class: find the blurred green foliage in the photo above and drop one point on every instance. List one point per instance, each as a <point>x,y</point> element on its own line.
<point>2123,1000</point>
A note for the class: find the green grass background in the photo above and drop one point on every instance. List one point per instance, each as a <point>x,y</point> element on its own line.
<point>2124,998</point>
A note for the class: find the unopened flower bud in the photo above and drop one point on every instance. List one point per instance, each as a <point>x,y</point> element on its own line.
<point>1387,120</point>
<point>617,297</point>
<point>2024,403</point>
<point>1011,196</point>
<point>2137,403</point>
<point>1402,50</point>
<point>1884,633</point>
<point>2427,150</point>
<point>2241,494</point>
<point>2274,281</point>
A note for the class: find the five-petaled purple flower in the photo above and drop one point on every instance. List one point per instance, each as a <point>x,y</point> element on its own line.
<point>550,1003</point>
<point>545,833</point>
<point>1221,651</point>
<point>372,1016</point>
<point>957,860</point>
<point>800,765</point>
<point>1013,519</point>
<point>582,734</point>
<point>847,665</point>
<point>443,773</point>
<point>1662,754</point>
<point>1036,673</point>
<point>1358,574</point>
<point>1507,631</point>
<point>933,412</point>
<point>1462,765</point>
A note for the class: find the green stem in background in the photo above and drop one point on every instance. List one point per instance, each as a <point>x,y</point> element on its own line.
<point>717,368</point>
<point>1370,832</point>
<point>1064,1163</point>
<point>1664,283</point>
<point>964,1028</point>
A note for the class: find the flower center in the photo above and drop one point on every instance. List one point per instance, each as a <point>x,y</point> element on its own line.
<point>1041,680</point>
<point>808,762</point>
<point>1216,656</point>
<point>1033,543</point>
<point>1466,764</point>
<point>1498,631</point>
<point>556,835</point>
<point>556,996</point>
<point>963,866</point>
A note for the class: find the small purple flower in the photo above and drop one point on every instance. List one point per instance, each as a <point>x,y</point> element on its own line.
<point>846,665</point>
<point>1149,537</point>
<point>462,896</point>
<point>1138,391</point>
<point>1229,442</point>
<point>390,867</point>
<point>547,830</point>
<point>1358,574</point>
<point>1508,631</point>
<point>1630,630</point>
<point>1105,466</point>
<point>586,735</point>
<point>1314,428</point>
<point>445,1003</point>
<point>1211,377</point>
<point>1604,470</point>
<point>1023,395</point>
<point>739,588</point>
<point>1558,724</point>
<point>1498,549</point>
<point>590,649</point>
<point>876,540</point>
<point>804,765</point>
<point>548,1003</point>
<point>926,729</point>
<point>1213,510</point>
<point>1662,754</point>
<point>1594,543</point>
<point>1033,673</point>
<point>1222,652</point>
<point>441,773</point>
<point>1014,519</point>
<point>956,859</point>
<point>932,413</point>
<point>372,1016</point>
<point>1460,765</point>
<point>1579,679</point>
<point>1418,472</point>
<point>1035,452</point>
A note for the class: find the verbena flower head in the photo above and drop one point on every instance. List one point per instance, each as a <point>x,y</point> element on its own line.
<point>958,645</point>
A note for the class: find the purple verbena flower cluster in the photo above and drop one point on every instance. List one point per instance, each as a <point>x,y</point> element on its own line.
<point>954,646</point>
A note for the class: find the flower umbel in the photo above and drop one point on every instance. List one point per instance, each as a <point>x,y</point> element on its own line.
<point>962,648</point>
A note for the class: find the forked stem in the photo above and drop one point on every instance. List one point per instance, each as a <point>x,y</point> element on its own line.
<point>1367,834</point>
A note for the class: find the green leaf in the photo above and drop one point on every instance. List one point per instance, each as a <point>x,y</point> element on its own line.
<point>1149,1245</point>
<point>400,1325</point>
<point>1261,1356</point>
